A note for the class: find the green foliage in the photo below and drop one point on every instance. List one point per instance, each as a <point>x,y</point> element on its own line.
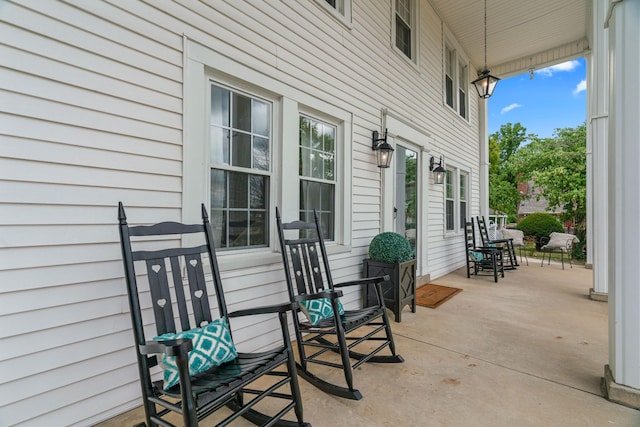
<point>390,247</point>
<point>539,225</point>
<point>503,195</point>
<point>558,167</point>
<point>503,179</point>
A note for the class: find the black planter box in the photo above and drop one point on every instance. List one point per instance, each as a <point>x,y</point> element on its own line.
<point>397,292</point>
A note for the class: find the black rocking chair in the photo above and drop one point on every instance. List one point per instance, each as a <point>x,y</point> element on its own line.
<point>509,253</point>
<point>176,273</point>
<point>482,258</point>
<point>309,283</point>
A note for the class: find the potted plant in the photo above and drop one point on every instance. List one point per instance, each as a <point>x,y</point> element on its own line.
<point>391,254</point>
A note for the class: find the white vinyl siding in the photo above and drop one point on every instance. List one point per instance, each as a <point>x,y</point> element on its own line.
<point>94,112</point>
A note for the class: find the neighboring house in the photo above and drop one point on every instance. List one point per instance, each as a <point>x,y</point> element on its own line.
<point>166,105</point>
<point>534,201</point>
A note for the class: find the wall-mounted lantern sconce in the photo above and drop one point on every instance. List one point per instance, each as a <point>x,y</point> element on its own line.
<point>382,148</point>
<point>438,171</point>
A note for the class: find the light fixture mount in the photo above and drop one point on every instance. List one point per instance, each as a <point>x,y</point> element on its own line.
<point>485,83</point>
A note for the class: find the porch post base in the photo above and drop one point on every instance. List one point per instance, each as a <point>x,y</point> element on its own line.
<point>598,296</point>
<point>619,393</point>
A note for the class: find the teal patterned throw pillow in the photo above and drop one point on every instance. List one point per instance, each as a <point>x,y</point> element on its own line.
<point>477,256</point>
<point>319,309</point>
<point>212,346</point>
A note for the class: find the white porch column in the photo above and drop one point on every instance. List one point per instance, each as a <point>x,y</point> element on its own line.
<point>483,138</point>
<point>597,133</point>
<point>622,375</point>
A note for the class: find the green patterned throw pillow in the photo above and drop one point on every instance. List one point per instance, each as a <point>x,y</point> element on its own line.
<point>319,309</point>
<point>212,346</point>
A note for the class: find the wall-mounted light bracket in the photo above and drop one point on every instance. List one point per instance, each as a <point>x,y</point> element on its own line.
<point>439,172</point>
<point>382,148</point>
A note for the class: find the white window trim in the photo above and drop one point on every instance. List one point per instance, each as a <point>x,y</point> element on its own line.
<point>459,56</point>
<point>415,33</point>
<point>201,66</point>
<point>345,18</point>
<point>458,170</point>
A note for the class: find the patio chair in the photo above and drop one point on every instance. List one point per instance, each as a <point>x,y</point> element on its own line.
<point>481,259</point>
<point>327,326</point>
<point>203,371</point>
<point>518,241</point>
<point>509,253</point>
<point>561,243</point>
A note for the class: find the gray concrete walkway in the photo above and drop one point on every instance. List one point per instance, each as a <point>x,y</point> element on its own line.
<point>526,351</point>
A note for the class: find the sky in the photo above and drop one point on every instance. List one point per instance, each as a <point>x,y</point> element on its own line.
<point>555,98</point>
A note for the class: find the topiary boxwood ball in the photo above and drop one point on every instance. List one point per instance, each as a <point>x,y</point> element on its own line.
<point>390,247</point>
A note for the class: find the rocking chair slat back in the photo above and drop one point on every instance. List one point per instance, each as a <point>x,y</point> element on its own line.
<point>176,279</point>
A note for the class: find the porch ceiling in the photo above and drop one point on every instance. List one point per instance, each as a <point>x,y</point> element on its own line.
<point>521,34</point>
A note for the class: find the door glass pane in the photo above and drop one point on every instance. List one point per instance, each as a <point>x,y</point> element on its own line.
<point>406,197</point>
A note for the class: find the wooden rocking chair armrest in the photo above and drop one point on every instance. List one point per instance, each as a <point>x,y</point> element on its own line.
<point>318,295</point>
<point>278,308</point>
<point>509,240</point>
<point>364,281</point>
<point>485,249</point>
<point>178,347</point>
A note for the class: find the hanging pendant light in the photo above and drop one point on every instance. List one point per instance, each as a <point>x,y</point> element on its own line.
<point>485,83</point>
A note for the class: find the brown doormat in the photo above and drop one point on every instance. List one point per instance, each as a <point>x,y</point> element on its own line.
<point>432,296</point>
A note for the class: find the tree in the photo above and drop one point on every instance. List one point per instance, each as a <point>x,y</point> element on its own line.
<point>503,179</point>
<point>558,167</point>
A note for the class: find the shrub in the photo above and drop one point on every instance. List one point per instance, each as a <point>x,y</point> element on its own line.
<point>390,247</point>
<point>539,225</point>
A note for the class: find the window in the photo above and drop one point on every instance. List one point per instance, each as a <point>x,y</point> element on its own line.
<point>239,150</point>
<point>462,89</point>
<point>463,200</point>
<point>249,149</point>
<point>456,81</point>
<point>456,199</point>
<point>405,27</point>
<point>317,151</point>
<point>341,9</point>
<point>449,60</point>
<point>449,201</point>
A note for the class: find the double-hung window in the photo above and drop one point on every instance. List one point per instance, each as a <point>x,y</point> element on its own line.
<point>456,199</point>
<point>462,178</point>
<point>317,160</point>
<point>406,27</point>
<point>254,144</point>
<point>449,200</point>
<point>239,158</point>
<point>456,80</point>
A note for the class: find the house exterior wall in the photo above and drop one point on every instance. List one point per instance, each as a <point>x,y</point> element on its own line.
<point>93,112</point>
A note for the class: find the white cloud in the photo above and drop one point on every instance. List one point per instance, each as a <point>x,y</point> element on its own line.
<point>509,108</point>
<point>581,87</point>
<point>565,66</point>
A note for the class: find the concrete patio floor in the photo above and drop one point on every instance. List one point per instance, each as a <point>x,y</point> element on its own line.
<point>527,351</point>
